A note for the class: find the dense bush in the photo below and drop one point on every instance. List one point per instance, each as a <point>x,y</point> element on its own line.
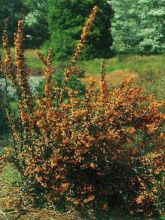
<point>102,149</point>
<point>110,144</point>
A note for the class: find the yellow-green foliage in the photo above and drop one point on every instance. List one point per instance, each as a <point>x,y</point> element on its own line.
<point>11,175</point>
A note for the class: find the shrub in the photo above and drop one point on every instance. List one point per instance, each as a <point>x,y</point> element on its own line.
<point>36,31</point>
<point>102,149</point>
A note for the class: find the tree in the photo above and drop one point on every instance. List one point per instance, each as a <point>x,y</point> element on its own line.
<point>66,19</point>
<point>138,26</point>
<point>36,27</point>
<point>152,29</point>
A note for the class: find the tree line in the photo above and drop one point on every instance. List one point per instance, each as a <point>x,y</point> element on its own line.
<point>121,26</point>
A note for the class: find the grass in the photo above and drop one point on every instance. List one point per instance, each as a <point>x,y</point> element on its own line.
<point>134,63</point>
<point>32,59</point>
<point>150,71</point>
<point>11,175</point>
<point>93,67</point>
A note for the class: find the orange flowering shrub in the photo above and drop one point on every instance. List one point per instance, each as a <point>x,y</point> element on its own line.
<point>104,148</point>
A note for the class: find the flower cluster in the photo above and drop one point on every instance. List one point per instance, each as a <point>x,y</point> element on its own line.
<point>83,39</point>
<point>84,35</point>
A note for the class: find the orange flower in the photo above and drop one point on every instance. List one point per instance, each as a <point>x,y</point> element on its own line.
<point>53,162</point>
<point>140,199</point>
<point>40,124</point>
<point>7,151</point>
<point>162,135</point>
<point>65,186</point>
<point>92,165</point>
<point>89,199</point>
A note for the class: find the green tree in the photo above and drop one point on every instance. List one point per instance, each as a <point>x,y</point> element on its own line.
<point>36,26</point>
<point>152,29</point>
<point>138,26</point>
<point>66,19</point>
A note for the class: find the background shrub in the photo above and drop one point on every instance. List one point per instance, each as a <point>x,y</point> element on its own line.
<point>58,78</point>
<point>36,26</point>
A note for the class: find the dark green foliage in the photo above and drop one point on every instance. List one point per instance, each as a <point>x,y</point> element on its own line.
<point>34,13</point>
<point>74,83</point>
<point>10,11</point>
<point>66,19</point>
